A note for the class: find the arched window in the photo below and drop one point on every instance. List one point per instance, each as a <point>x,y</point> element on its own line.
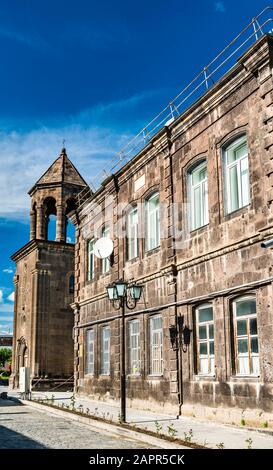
<point>205,339</point>
<point>246,336</point>
<point>132,233</point>
<point>106,261</point>
<point>198,182</point>
<point>71,284</point>
<point>152,219</point>
<point>236,172</point>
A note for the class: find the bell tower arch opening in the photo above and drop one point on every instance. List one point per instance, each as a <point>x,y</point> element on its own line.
<point>70,228</point>
<point>50,214</point>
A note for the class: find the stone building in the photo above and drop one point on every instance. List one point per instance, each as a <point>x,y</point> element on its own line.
<point>202,188</point>
<point>44,281</point>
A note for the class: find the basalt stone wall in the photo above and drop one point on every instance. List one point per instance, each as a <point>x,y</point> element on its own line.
<point>43,323</point>
<point>215,264</point>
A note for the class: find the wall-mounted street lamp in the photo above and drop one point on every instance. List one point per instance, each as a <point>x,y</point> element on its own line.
<point>267,243</point>
<point>122,294</point>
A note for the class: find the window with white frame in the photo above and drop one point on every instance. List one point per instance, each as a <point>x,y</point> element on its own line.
<point>246,336</point>
<point>237,175</point>
<point>152,222</point>
<point>156,345</point>
<point>132,234</point>
<point>90,260</point>
<point>89,352</point>
<point>106,261</point>
<point>105,350</point>
<point>205,339</point>
<point>198,178</point>
<point>134,347</point>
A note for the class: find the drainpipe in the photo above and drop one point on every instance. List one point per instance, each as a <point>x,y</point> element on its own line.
<point>177,318</point>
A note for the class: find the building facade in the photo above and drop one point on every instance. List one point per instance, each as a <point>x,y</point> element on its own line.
<point>44,282</point>
<point>187,216</point>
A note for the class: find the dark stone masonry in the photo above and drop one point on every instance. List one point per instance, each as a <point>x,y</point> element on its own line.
<point>219,269</point>
<point>202,191</point>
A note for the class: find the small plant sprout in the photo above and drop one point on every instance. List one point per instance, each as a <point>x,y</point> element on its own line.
<point>171,430</point>
<point>249,443</point>
<point>220,445</point>
<point>188,435</point>
<point>265,424</point>
<point>158,427</point>
<point>72,401</point>
<point>243,421</point>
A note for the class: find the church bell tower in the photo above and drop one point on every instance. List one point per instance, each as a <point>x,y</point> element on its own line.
<point>44,281</point>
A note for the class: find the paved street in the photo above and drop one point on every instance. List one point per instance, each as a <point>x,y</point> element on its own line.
<point>32,426</point>
<point>203,431</point>
<point>23,427</point>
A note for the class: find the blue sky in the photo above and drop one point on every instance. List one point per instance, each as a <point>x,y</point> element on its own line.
<point>91,73</point>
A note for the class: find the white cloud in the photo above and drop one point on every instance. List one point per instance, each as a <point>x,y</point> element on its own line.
<point>8,271</point>
<point>30,154</point>
<point>11,297</point>
<point>220,7</point>
<point>35,41</point>
<point>6,307</point>
<point>90,143</point>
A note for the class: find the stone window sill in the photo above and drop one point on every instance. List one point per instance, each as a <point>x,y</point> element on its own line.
<point>239,378</point>
<point>200,377</point>
<point>154,376</point>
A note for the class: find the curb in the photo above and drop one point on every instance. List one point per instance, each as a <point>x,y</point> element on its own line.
<point>101,426</point>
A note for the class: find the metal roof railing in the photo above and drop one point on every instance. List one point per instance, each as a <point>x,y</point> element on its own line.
<point>209,74</point>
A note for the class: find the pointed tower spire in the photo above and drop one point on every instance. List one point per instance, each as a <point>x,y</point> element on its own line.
<point>54,194</point>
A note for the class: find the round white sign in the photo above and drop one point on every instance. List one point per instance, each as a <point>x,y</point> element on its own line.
<point>103,247</point>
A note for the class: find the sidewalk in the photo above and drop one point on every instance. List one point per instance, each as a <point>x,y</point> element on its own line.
<point>205,433</point>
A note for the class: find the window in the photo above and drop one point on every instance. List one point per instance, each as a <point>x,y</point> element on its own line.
<point>237,175</point>
<point>89,352</point>
<point>71,284</point>
<point>205,339</point>
<point>132,234</point>
<point>106,261</point>
<point>152,222</point>
<point>134,347</point>
<point>246,336</point>
<point>156,346</point>
<point>105,351</point>
<point>91,260</point>
<point>199,196</point>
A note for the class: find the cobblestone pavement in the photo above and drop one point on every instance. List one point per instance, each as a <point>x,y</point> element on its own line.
<point>204,432</point>
<point>22,427</point>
